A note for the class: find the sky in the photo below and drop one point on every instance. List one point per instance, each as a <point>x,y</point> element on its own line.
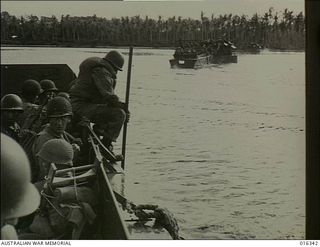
<point>153,9</point>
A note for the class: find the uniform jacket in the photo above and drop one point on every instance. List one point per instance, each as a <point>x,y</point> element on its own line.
<point>47,134</point>
<point>29,109</point>
<point>12,130</point>
<point>96,81</point>
<point>33,117</point>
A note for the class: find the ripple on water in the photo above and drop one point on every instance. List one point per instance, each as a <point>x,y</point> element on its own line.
<point>179,114</point>
<point>233,195</point>
<point>212,227</point>
<point>191,161</point>
<point>238,235</point>
<point>256,203</point>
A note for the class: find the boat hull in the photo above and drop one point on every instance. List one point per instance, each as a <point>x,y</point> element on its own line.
<point>110,218</point>
<point>190,63</point>
<point>110,221</point>
<point>15,74</point>
<point>195,63</point>
<point>224,59</point>
<point>113,226</point>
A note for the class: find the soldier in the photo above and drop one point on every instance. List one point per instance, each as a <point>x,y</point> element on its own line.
<point>64,94</point>
<point>93,95</point>
<point>49,91</point>
<point>18,196</point>
<point>11,108</point>
<point>36,116</point>
<point>31,89</point>
<point>56,151</point>
<point>59,113</point>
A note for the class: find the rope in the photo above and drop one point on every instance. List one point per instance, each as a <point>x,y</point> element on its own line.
<point>163,217</point>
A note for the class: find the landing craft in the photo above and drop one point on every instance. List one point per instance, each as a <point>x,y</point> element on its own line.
<point>198,54</point>
<point>254,48</point>
<point>108,214</point>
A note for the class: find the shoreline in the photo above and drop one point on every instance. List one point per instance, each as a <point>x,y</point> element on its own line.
<point>136,47</point>
<point>84,46</point>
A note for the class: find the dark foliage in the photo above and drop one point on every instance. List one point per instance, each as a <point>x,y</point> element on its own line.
<point>272,30</point>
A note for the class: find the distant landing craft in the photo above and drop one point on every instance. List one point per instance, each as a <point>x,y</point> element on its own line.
<point>195,54</point>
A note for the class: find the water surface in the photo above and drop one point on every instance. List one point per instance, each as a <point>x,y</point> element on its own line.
<point>222,147</point>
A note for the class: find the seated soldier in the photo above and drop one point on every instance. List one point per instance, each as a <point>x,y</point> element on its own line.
<point>18,196</point>
<point>11,111</point>
<point>64,94</point>
<point>11,108</point>
<point>59,114</point>
<point>29,94</point>
<point>56,151</point>
<point>71,201</point>
<point>49,91</point>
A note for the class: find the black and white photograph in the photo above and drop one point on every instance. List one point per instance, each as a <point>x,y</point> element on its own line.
<point>153,120</point>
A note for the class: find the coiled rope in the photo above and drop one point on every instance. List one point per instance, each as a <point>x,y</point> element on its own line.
<point>163,217</point>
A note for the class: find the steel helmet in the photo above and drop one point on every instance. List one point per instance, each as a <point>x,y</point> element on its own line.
<point>48,85</point>
<point>31,87</point>
<point>59,107</point>
<point>115,58</point>
<point>57,151</point>
<point>19,196</point>
<point>64,95</point>
<point>11,102</point>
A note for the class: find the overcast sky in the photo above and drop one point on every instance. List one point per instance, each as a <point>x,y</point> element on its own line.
<point>153,9</point>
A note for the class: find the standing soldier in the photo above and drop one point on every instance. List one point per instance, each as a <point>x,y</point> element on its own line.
<point>93,95</point>
<point>19,196</point>
<point>11,108</point>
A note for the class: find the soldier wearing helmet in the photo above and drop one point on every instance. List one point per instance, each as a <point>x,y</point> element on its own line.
<point>59,113</point>
<point>19,196</point>
<point>93,94</point>
<point>57,151</point>
<point>38,118</point>
<point>30,91</point>
<point>11,108</point>
<point>64,94</point>
<point>49,91</point>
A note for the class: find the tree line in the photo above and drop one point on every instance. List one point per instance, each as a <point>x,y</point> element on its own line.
<point>284,30</point>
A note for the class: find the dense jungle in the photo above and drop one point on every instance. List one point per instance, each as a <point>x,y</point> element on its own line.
<point>274,30</point>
